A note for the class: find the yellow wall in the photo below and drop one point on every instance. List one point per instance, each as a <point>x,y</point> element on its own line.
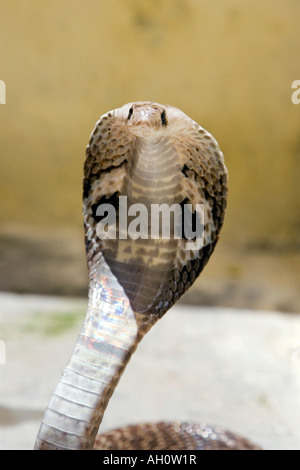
<point>229,64</point>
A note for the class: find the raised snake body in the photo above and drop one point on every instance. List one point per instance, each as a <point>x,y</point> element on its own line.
<point>153,155</point>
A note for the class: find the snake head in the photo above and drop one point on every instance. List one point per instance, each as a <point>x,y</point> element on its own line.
<point>147,119</point>
<point>144,119</point>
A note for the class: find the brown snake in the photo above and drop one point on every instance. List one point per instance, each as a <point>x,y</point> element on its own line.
<point>154,155</point>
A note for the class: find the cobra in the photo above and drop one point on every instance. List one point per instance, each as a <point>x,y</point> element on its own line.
<point>152,154</point>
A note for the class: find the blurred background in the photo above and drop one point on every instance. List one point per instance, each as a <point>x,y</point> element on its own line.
<point>228,64</point>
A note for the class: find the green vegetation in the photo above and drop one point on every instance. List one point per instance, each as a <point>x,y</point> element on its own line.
<point>52,324</point>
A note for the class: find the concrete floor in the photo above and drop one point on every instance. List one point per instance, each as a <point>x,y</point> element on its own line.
<point>236,368</point>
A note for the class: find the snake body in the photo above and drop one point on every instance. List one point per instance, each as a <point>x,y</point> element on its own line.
<point>171,436</point>
<point>153,154</point>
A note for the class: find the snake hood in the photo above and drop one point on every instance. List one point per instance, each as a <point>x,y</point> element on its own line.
<point>158,157</point>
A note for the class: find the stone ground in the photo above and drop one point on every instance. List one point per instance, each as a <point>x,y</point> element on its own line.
<point>224,366</point>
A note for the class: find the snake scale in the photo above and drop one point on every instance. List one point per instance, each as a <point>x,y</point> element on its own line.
<point>150,155</point>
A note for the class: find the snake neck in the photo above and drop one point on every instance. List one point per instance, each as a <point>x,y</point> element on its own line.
<point>109,335</point>
<point>143,266</point>
<point>152,175</point>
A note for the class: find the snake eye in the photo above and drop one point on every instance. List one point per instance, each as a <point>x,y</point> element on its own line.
<point>163,118</point>
<point>130,113</point>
